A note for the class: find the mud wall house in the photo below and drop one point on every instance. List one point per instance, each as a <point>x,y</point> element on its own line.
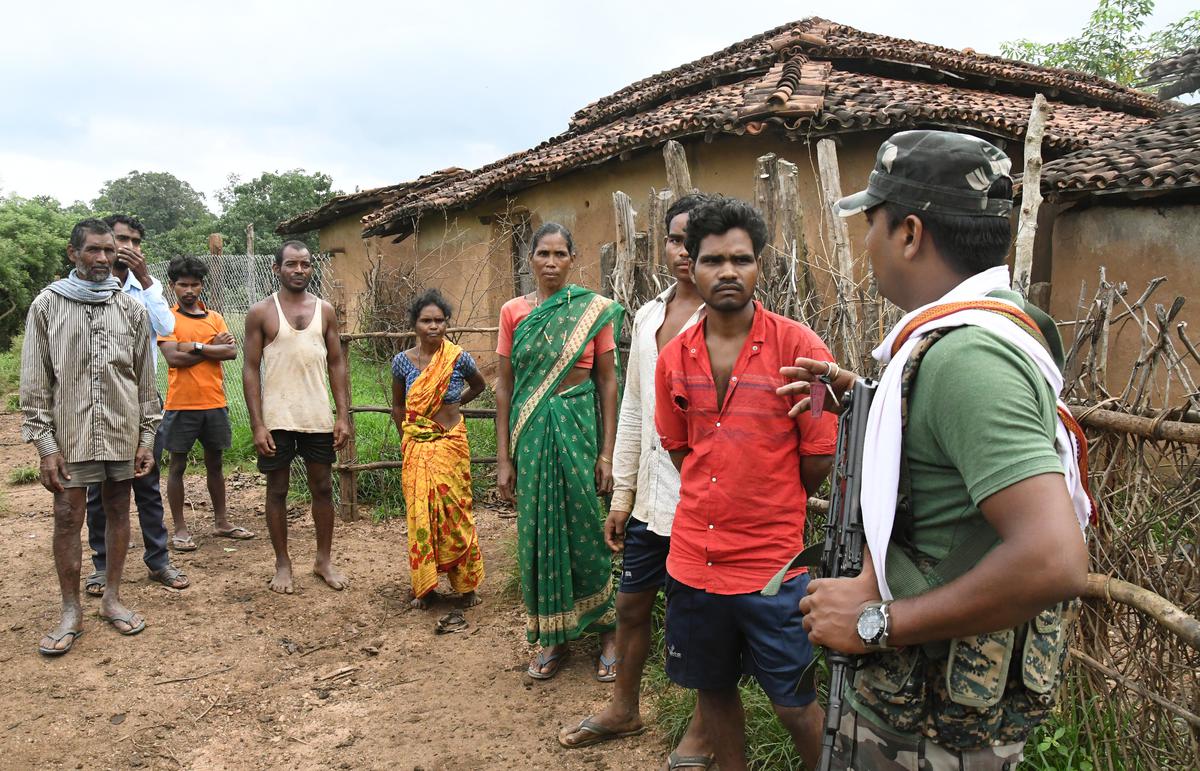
<point>777,92</point>
<point>1131,205</point>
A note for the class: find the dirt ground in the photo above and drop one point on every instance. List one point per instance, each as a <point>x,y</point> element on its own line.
<point>230,675</point>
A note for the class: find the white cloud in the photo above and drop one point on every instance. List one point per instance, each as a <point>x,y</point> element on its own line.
<point>374,92</point>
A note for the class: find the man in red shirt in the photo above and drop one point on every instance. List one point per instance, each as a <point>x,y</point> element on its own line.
<point>745,470</point>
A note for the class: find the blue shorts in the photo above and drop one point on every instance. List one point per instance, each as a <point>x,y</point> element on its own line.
<point>714,639</point>
<point>644,561</point>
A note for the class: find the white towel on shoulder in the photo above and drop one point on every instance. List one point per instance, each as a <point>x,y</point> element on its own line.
<point>881,456</point>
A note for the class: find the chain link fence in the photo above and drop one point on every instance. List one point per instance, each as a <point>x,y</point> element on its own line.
<point>234,283</point>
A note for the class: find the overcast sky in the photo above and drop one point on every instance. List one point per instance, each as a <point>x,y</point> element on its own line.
<point>379,92</point>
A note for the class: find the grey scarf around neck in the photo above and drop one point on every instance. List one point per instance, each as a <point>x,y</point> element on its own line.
<point>81,290</point>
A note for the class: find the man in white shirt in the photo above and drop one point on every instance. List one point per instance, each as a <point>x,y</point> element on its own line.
<point>134,276</point>
<point>645,494</point>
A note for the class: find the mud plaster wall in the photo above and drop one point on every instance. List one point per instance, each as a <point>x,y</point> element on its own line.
<point>468,253</point>
<point>1134,244</point>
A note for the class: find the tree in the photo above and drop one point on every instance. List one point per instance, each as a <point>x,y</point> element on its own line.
<point>1112,44</point>
<point>33,250</point>
<point>268,200</point>
<point>160,200</point>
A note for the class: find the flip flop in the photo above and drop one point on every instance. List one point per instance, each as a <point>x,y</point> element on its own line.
<point>183,544</point>
<point>596,734</point>
<point>168,577</point>
<point>675,760</point>
<point>127,620</point>
<point>454,621</point>
<point>557,659</point>
<point>93,585</point>
<point>57,637</point>
<point>237,533</point>
<point>610,669</point>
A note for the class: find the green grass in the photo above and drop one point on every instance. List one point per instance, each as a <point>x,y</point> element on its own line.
<point>24,475</point>
<point>10,375</point>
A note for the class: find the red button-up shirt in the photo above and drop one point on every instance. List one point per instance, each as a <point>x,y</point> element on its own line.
<point>742,502</point>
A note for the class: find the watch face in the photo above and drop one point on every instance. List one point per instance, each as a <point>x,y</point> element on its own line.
<point>870,624</point>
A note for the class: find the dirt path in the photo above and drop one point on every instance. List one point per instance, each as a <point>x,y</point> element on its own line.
<point>318,679</point>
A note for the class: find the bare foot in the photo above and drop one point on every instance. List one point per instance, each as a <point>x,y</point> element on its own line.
<point>331,575</point>
<point>424,602</point>
<point>471,599</point>
<point>282,582</point>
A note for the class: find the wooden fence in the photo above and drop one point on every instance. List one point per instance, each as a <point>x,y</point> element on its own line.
<point>348,466</point>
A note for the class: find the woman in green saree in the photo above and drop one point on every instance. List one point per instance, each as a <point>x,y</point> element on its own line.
<point>557,348</point>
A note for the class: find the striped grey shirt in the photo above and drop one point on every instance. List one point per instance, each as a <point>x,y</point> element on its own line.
<point>87,387</point>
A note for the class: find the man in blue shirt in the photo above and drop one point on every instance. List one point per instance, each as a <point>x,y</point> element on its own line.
<point>131,271</point>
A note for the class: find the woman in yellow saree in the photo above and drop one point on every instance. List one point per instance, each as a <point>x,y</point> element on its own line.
<point>430,383</point>
<point>557,376</point>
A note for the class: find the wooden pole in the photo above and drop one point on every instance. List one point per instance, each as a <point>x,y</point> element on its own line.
<point>625,249</point>
<point>608,258</point>
<point>765,196</point>
<point>250,239</point>
<point>347,476</point>
<point>1031,195</point>
<point>679,178</point>
<point>831,190</point>
<point>791,235</point>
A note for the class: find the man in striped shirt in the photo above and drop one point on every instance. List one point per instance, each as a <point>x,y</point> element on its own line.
<point>91,408</point>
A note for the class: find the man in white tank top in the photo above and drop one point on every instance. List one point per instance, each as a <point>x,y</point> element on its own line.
<point>292,356</point>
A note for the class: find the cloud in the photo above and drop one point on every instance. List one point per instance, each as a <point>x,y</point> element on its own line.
<point>371,92</point>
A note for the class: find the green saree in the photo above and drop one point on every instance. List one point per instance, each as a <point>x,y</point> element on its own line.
<point>566,568</point>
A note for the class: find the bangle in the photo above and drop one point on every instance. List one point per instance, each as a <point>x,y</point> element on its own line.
<point>606,460</point>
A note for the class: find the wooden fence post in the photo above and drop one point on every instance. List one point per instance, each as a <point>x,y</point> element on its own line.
<point>790,214</point>
<point>765,198</point>
<point>1031,195</point>
<point>626,256</point>
<point>347,456</point>
<point>844,280</point>
<point>679,179</point>
<point>250,239</point>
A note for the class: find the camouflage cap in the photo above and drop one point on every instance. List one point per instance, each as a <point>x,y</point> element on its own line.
<point>936,171</point>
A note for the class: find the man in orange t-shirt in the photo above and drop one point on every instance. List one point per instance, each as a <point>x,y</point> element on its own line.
<point>196,406</point>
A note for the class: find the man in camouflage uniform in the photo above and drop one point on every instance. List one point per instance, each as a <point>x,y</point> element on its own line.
<point>983,552</point>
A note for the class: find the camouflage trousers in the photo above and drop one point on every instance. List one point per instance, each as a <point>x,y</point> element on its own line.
<point>862,746</point>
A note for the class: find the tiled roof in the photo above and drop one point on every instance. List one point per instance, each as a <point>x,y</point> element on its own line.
<point>1175,75</point>
<point>364,200</point>
<point>809,78</point>
<point>1162,156</point>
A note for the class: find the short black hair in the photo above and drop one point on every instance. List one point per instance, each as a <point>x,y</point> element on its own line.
<point>91,225</point>
<point>293,244</point>
<point>113,220</point>
<point>720,214</point>
<point>970,244</point>
<point>685,205</point>
<point>423,301</point>
<point>548,229</point>
<point>187,265</point>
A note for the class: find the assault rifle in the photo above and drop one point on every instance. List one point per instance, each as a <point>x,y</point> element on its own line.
<point>841,555</point>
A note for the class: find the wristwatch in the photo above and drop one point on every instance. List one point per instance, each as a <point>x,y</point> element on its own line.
<point>873,623</point>
<point>198,348</point>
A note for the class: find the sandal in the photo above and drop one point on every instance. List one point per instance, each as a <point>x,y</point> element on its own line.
<point>675,760</point>
<point>454,621</point>
<point>183,544</point>
<point>57,637</point>
<point>596,734</point>
<point>170,577</point>
<point>237,533</point>
<point>609,666</point>
<point>127,620</point>
<point>542,660</point>
<point>93,585</point>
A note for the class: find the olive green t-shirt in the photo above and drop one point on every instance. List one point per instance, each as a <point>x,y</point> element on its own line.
<point>981,418</point>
